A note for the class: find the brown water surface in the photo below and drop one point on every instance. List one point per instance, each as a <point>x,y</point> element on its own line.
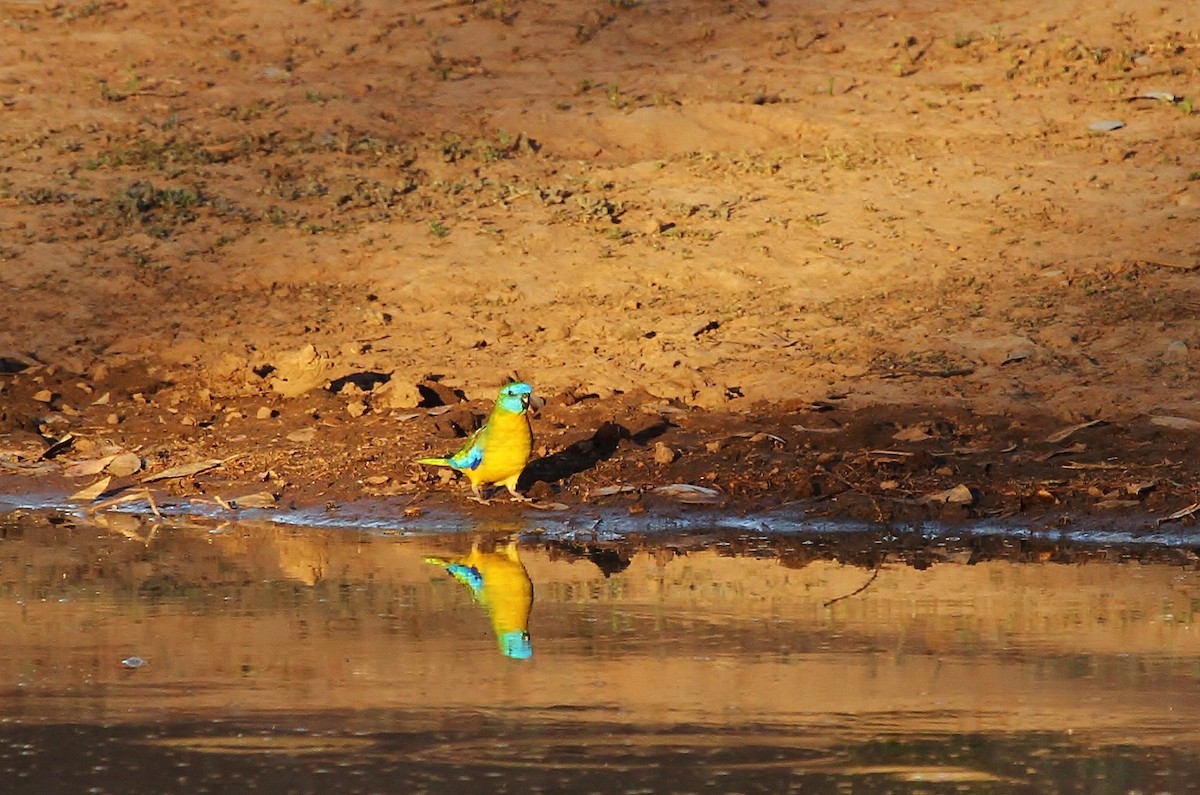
<point>195,656</point>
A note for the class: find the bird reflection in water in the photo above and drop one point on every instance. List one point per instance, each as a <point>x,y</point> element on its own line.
<point>499,582</point>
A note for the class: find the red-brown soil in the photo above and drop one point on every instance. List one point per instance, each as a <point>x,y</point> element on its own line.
<point>869,258</point>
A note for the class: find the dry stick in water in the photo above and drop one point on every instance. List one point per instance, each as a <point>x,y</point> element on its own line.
<point>857,591</point>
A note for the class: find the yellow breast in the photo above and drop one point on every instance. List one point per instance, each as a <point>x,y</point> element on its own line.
<point>506,449</point>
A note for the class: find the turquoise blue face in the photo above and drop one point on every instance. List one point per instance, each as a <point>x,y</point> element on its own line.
<point>516,645</point>
<point>514,397</point>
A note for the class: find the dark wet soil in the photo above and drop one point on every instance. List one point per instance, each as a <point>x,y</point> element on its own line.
<point>886,465</point>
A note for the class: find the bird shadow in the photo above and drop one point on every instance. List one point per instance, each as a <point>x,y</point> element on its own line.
<point>587,453</point>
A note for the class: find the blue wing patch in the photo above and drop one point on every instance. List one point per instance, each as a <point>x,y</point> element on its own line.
<point>468,576</point>
<point>469,458</point>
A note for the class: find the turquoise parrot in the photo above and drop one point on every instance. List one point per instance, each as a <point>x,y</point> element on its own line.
<point>499,582</point>
<point>498,452</point>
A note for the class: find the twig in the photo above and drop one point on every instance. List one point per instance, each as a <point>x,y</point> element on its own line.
<point>1182,513</point>
<point>859,590</point>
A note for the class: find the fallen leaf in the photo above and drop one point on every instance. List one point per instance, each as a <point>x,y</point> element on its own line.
<point>1182,513</point>
<point>959,495</point>
<point>608,491</point>
<point>260,499</point>
<point>91,492</point>
<point>184,470</point>
<point>914,433</point>
<point>1176,423</point>
<point>686,492</point>
<point>376,480</point>
<point>1075,449</point>
<point>1106,504</point>
<point>57,447</point>
<point>125,464</point>
<point>759,436</point>
<point>83,469</point>
<point>806,429</point>
<point>131,496</point>
<point>1141,489</point>
<point>1065,432</point>
<point>886,454</point>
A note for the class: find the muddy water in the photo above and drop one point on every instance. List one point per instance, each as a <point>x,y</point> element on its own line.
<point>194,656</point>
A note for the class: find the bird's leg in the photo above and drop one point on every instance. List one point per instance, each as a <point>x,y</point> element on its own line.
<point>516,495</point>
<point>477,495</point>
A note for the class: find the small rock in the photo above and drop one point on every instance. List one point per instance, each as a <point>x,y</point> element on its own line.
<point>266,413</point>
<point>356,409</point>
<point>435,393</point>
<point>959,495</point>
<point>664,454</point>
<point>397,393</point>
<point>44,396</point>
<point>710,397</point>
<point>541,490</point>
<point>652,226</point>
<point>303,435</point>
<point>1177,351</point>
<point>115,419</point>
<point>301,371</point>
<point>125,465</point>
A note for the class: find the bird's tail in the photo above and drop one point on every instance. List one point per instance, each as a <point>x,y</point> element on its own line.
<point>435,462</point>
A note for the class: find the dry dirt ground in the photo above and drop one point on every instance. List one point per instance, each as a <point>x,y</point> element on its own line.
<point>884,260</point>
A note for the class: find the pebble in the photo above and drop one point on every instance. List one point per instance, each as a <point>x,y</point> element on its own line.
<point>1177,351</point>
<point>664,454</point>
